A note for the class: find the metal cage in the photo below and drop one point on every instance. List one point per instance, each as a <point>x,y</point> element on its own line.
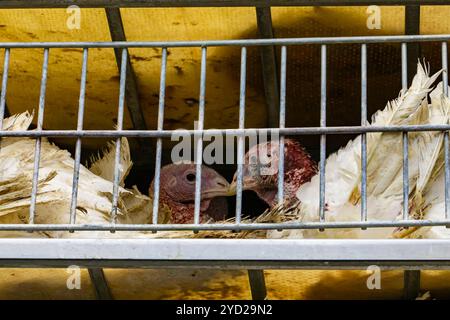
<point>236,254</point>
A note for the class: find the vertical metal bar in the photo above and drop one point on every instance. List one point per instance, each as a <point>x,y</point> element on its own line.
<point>257,284</point>
<point>123,79</point>
<point>100,284</point>
<point>410,55</point>
<point>444,53</point>
<point>405,176</point>
<point>405,135</point>
<point>404,66</point>
<point>282,123</point>
<point>199,140</point>
<point>363,136</point>
<point>76,167</point>
<point>412,27</point>
<point>4,86</point>
<point>162,93</point>
<point>40,123</point>
<point>323,123</point>
<point>132,95</point>
<point>241,139</point>
<point>269,65</point>
<point>411,284</point>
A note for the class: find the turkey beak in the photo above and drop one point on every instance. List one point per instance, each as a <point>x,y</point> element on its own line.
<point>216,187</point>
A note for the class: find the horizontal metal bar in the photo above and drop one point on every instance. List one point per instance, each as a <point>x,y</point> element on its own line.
<point>228,264</point>
<point>220,43</point>
<point>299,250</point>
<point>210,132</point>
<point>225,226</point>
<point>10,4</point>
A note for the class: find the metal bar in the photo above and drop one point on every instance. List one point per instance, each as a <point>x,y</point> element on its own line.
<point>294,131</point>
<point>4,86</point>
<point>444,53</point>
<point>162,94</point>
<point>323,123</point>
<point>100,284</point>
<point>199,140</point>
<point>299,250</point>
<point>257,284</point>
<point>405,69</point>
<point>411,284</point>
<point>223,43</point>
<point>225,226</point>
<point>37,148</point>
<point>269,65</point>
<point>411,278</point>
<point>131,92</point>
<point>405,177</point>
<point>123,76</point>
<point>363,136</point>
<point>9,4</point>
<point>412,27</point>
<point>76,167</point>
<point>281,125</point>
<point>226,264</point>
<point>241,139</point>
<point>404,66</point>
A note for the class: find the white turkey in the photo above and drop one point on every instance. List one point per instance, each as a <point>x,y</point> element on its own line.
<point>343,172</point>
<point>95,189</point>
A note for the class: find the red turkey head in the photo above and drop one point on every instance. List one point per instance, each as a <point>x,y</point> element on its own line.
<point>177,193</point>
<point>260,172</point>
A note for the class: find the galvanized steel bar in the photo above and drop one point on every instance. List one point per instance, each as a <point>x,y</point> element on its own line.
<point>220,43</point>
<point>363,136</point>
<point>444,53</point>
<point>225,226</point>
<point>294,131</point>
<point>282,122</point>
<point>120,112</point>
<point>405,137</point>
<point>4,86</point>
<point>405,177</point>
<point>323,123</point>
<point>162,93</point>
<point>76,167</point>
<point>40,123</point>
<point>199,139</point>
<point>241,139</point>
<point>404,66</point>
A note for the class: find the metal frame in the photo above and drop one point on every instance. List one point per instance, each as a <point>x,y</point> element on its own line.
<point>323,130</point>
<point>222,253</point>
<point>403,257</point>
<point>207,3</point>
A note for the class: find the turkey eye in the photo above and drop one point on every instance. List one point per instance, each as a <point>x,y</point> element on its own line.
<point>190,177</point>
<point>269,155</point>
